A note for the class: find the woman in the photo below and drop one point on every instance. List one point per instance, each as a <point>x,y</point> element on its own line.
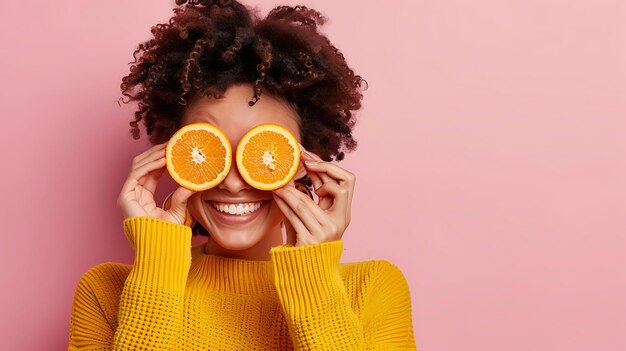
<point>246,287</point>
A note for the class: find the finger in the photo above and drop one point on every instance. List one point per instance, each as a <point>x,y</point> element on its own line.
<point>152,157</point>
<point>323,178</point>
<point>306,209</point>
<point>149,158</point>
<point>152,179</point>
<point>133,178</point>
<point>325,202</point>
<point>293,219</point>
<point>143,171</point>
<point>341,195</point>
<point>309,156</point>
<point>337,173</point>
<point>180,197</point>
<point>315,179</point>
<point>291,234</point>
<point>179,200</point>
<point>142,157</point>
<point>341,177</point>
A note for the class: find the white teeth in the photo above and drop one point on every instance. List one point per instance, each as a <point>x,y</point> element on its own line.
<point>239,209</point>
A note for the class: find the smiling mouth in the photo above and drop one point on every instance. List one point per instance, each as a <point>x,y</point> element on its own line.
<point>238,209</point>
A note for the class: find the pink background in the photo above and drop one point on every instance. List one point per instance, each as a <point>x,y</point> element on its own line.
<point>491,166</point>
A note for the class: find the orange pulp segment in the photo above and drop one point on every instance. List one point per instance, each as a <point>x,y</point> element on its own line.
<point>198,156</point>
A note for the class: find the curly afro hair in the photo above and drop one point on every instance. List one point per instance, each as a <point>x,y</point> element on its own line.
<point>209,45</point>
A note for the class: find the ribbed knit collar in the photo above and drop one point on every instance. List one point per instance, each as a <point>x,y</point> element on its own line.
<point>231,275</point>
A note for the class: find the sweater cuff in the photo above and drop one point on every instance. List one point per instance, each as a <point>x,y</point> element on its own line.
<point>306,276</point>
<point>162,252</point>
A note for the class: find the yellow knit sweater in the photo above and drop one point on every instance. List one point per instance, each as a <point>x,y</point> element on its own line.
<point>176,297</point>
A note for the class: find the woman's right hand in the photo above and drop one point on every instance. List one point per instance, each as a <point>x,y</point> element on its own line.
<point>137,195</point>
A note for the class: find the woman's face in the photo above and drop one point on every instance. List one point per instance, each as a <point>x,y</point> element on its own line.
<point>250,235</point>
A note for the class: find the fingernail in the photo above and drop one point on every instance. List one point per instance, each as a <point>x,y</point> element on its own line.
<point>307,153</point>
<point>311,162</point>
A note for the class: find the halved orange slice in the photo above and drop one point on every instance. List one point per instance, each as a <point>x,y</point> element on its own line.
<point>268,156</point>
<point>198,156</point>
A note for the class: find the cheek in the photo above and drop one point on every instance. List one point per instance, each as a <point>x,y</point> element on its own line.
<point>275,214</point>
<point>195,205</point>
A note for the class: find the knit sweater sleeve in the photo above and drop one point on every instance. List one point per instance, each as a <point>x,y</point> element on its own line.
<point>150,307</point>
<point>320,313</point>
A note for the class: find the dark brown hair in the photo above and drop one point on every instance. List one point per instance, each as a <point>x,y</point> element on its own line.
<point>209,45</point>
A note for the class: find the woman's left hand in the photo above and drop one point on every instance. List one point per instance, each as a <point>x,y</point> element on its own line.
<point>314,223</point>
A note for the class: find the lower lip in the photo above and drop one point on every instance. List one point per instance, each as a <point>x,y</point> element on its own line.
<point>228,218</point>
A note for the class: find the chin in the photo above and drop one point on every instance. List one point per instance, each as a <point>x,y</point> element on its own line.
<point>236,240</point>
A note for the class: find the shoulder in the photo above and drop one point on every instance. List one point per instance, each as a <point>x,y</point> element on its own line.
<point>372,270</point>
<point>381,297</point>
<point>378,277</point>
<point>102,285</point>
<point>104,274</point>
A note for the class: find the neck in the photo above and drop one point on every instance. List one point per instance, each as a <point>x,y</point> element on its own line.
<point>258,252</point>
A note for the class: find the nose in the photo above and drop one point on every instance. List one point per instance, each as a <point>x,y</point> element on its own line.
<point>233,182</point>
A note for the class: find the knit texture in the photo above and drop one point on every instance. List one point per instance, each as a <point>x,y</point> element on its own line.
<point>177,297</point>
